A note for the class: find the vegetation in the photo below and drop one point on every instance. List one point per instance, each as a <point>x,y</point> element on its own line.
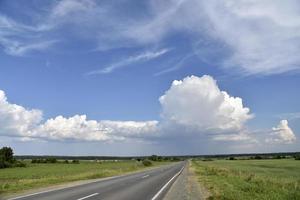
<point>45,174</point>
<point>7,159</point>
<point>147,163</point>
<point>250,179</point>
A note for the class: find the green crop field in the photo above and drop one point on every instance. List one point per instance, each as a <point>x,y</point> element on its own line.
<point>39,175</point>
<point>250,179</point>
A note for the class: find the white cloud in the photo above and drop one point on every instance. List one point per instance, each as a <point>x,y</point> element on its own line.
<point>198,103</point>
<point>19,49</point>
<point>25,124</point>
<point>251,37</point>
<point>69,7</point>
<point>146,56</point>
<point>73,128</point>
<point>262,35</point>
<point>282,134</point>
<point>16,120</point>
<point>192,108</point>
<point>79,128</point>
<point>195,103</point>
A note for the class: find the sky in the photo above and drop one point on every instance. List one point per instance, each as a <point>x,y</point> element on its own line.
<point>126,78</point>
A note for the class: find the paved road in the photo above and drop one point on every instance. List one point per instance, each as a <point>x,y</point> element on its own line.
<point>152,184</point>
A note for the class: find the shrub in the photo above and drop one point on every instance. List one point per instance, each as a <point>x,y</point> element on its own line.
<point>257,157</point>
<point>297,157</point>
<point>232,158</point>
<point>75,161</point>
<point>66,161</point>
<point>19,164</point>
<point>4,164</point>
<point>153,158</point>
<point>147,163</point>
<point>207,159</point>
<point>51,160</point>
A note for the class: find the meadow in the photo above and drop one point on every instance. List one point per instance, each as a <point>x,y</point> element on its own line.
<point>250,179</point>
<point>14,180</point>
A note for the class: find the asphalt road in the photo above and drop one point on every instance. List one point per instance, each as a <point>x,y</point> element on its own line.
<point>151,184</point>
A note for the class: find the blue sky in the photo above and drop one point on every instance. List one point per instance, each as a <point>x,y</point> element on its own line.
<point>98,77</point>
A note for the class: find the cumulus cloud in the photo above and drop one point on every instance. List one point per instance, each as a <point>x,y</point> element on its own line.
<point>198,103</point>
<point>194,106</point>
<point>26,124</point>
<point>194,103</point>
<point>79,128</point>
<point>282,134</point>
<point>16,120</point>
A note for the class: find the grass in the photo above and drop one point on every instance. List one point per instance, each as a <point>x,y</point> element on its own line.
<point>250,179</point>
<point>14,180</point>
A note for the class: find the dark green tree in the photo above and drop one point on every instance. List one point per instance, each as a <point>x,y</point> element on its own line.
<point>6,154</point>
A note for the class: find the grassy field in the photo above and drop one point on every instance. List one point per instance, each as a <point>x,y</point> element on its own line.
<point>250,179</point>
<point>39,175</point>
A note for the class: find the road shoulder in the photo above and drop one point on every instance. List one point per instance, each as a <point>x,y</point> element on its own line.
<point>186,187</point>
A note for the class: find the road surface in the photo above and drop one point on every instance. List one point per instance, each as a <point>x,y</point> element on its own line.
<point>151,184</point>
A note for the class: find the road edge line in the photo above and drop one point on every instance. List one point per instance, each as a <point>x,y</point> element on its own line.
<point>164,187</point>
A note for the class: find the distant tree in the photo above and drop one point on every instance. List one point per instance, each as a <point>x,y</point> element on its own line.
<point>257,157</point>
<point>51,160</point>
<point>277,157</point>
<point>153,158</point>
<point>232,158</point>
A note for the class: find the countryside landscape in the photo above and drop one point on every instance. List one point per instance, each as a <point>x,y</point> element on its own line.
<point>149,100</point>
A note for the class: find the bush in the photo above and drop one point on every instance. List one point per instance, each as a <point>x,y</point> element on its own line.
<point>297,157</point>
<point>257,157</point>
<point>232,158</point>
<point>19,164</point>
<point>207,159</point>
<point>147,163</point>
<point>51,160</point>
<point>66,161</point>
<point>4,164</point>
<point>75,161</point>
<point>153,158</point>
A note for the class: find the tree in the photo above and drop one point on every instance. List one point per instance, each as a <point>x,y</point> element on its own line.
<point>6,154</point>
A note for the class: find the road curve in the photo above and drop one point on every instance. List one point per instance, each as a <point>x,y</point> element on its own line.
<point>151,184</point>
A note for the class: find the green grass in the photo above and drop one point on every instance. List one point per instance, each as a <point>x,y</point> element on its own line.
<point>40,175</point>
<point>250,179</point>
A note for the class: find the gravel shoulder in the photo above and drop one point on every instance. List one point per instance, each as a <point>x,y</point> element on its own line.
<point>186,187</point>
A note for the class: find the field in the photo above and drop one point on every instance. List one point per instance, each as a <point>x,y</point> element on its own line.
<point>39,175</point>
<point>250,179</point>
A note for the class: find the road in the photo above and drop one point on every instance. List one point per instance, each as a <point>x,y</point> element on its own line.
<point>151,184</point>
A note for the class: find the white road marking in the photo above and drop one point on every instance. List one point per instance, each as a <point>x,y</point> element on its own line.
<point>145,176</point>
<point>68,187</point>
<point>88,196</point>
<point>164,187</point>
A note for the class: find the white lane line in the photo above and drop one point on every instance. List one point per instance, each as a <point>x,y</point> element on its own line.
<point>28,195</point>
<point>145,176</point>
<point>88,196</point>
<point>68,187</point>
<point>164,187</point>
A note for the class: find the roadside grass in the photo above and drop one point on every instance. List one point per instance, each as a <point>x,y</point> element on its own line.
<point>14,180</point>
<point>250,179</point>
